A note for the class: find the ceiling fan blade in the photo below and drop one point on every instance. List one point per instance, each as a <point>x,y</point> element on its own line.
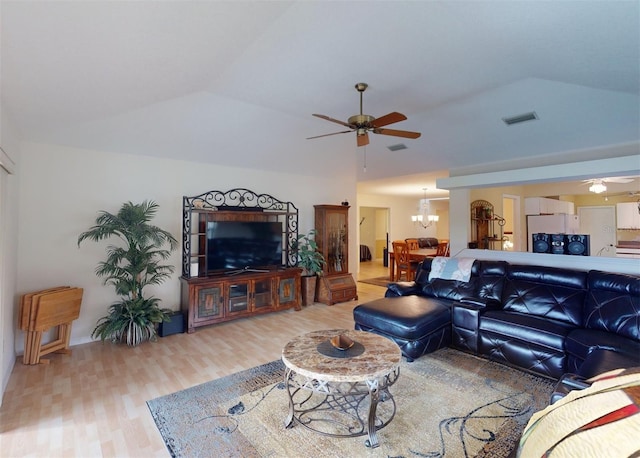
<point>326,135</point>
<point>388,119</point>
<point>397,133</point>
<point>624,180</point>
<point>618,179</point>
<point>363,139</point>
<point>327,118</point>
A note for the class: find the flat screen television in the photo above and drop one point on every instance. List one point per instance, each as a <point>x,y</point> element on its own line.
<point>243,245</point>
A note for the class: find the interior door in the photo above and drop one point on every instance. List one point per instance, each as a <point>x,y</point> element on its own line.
<point>373,229</point>
<point>512,235</point>
<point>600,224</point>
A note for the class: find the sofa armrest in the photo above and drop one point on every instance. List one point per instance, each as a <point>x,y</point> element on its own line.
<point>465,318</point>
<point>568,382</point>
<point>466,315</point>
<point>575,382</point>
<point>403,288</point>
<point>487,303</point>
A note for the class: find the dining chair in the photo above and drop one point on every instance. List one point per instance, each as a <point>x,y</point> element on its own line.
<point>403,262</point>
<point>443,249</point>
<point>413,244</point>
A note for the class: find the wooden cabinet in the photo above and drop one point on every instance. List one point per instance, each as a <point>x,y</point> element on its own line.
<point>210,300</point>
<point>332,236</point>
<point>628,215</point>
<point>337,288</point>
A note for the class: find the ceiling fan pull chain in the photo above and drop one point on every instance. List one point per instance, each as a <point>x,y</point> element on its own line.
<point>365,161</point>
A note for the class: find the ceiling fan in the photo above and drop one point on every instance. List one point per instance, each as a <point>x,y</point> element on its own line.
<point>598,185</point>
<point>362,124</point>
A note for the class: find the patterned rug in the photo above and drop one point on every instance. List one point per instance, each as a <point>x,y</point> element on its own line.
<point>449,404</point>
<point>378,281</point>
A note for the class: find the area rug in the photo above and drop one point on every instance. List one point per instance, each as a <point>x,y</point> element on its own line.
<point>378,281</point>
<point>449,404</point>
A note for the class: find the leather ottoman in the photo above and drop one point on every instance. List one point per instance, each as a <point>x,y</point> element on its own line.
<point>418,325</point>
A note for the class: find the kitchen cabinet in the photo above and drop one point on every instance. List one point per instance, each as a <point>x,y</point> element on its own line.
<point>546,206</point>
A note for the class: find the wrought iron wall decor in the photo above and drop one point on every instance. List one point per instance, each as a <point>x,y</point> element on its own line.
<point>239,200</point>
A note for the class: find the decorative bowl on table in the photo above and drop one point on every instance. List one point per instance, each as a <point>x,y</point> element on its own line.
<point>341,342</point>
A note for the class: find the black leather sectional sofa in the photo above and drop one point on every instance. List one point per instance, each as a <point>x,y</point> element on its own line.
<point>545,320</point>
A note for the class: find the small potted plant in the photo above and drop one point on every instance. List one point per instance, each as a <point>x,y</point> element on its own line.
<point>311,262</point>
<point>129,267</point>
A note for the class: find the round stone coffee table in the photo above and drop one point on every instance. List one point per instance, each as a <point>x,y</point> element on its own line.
<point>341,393</point>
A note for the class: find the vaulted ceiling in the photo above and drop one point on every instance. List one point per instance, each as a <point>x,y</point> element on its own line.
<point>235,83</point>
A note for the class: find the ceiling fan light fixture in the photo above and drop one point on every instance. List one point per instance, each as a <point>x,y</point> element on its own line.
<point>598,187</point>
<point>361,120</point>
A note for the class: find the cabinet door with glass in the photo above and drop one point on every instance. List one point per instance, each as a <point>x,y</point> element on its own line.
<point>245,296</point>
<point>332,237</point>
<point>262,294</point>
<point>238,295</point>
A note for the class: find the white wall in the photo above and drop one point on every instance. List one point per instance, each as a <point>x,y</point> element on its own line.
<point>9,157</point>
<point>459,220</point>
<point>62,190</point>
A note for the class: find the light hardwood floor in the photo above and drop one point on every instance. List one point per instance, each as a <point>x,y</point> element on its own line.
<point>92,403</point>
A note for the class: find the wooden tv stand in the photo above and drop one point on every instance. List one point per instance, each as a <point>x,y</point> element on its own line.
<point>214,298</point>
<point>225,297</point>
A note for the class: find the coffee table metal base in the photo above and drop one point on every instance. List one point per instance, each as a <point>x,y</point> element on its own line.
<point>341,409</point>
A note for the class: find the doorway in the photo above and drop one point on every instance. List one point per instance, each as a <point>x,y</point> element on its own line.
<point>512,227</point>
<point>374,232</point>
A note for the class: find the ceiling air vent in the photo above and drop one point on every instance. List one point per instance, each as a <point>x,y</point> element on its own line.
<point>520,118</point>
<point>397,147</point>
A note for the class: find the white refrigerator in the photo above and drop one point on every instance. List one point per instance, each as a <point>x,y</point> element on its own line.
<point>560,223</point>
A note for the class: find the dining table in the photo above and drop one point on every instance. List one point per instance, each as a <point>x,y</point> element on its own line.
<point>414,255</point>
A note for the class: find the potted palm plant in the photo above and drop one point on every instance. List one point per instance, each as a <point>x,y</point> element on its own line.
<point>130,267</point>
<point>311,262</point>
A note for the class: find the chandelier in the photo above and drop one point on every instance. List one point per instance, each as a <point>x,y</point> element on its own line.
<point>422,217</point>
<point>598,187</point>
